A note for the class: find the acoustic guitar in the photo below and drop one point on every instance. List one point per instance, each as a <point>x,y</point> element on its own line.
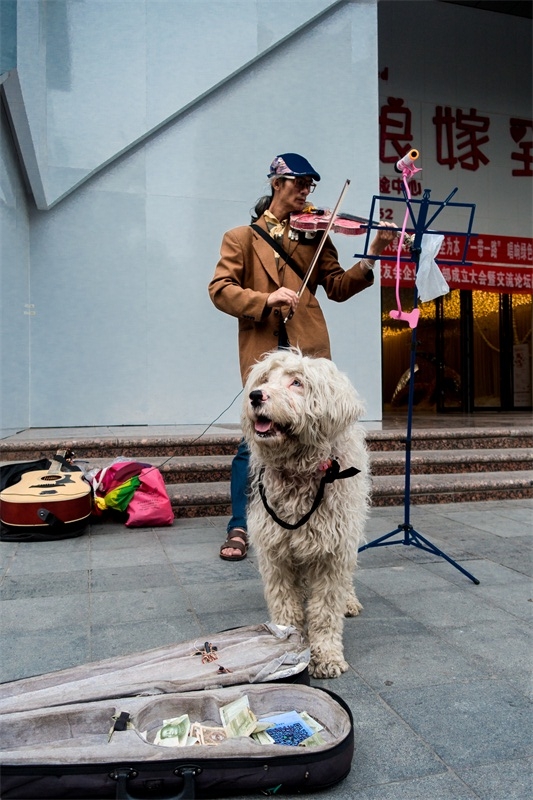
<point>40,499</point>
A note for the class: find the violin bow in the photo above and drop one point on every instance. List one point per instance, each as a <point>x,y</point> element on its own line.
<point>320,246</point>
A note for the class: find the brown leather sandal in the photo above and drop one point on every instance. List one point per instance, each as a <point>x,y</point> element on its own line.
<point>232,540</point>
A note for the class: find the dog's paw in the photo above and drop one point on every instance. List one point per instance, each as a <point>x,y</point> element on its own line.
<point>353,607</point>
<point>328,669</point>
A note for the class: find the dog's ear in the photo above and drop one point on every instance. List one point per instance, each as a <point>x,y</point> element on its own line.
<point>357,401</point>
<point>331,397</point>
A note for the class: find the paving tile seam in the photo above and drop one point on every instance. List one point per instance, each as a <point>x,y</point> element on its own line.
<point>438,745</point>
<point>483,671</point>
<point>439,633</point>
<point>410,781</point>
<point>483,666</point>
<point>401,720</point>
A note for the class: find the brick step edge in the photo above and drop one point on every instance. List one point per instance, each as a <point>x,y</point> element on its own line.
<point>427,462</point>
<point>450,439</point>
<point>143,448</point>
<point>215,468</point>
<point>136,448</point>
<point>213,499</point>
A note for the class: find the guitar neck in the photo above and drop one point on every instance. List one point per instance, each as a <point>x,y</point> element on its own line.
<point>56,467</point>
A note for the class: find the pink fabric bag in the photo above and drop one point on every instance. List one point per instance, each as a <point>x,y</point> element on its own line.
<point>150,505</point>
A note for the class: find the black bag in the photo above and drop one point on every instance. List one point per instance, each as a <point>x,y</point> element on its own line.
<point>83,763</point>
<point>56,728</point>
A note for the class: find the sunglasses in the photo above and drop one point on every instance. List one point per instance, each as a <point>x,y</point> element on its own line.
<point>302,183</point>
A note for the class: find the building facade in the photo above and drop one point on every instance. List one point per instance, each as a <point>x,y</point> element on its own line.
<point>448,87</point>
<point>134,133</point>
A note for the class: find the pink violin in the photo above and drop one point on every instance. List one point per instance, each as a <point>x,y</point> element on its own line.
<point>318,219</point>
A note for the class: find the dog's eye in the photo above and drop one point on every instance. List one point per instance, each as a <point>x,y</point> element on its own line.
<point>297,382</point>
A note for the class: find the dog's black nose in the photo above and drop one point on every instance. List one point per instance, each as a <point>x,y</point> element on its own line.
<point>256,397</point>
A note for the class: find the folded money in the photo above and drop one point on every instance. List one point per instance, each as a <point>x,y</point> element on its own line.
<point>313,741</point>
<point>174,732</point>
<point>262,737</point>
<point>291,728</point>
<point>211,736</point>
<point>310,722</point>
<point>237,718</point>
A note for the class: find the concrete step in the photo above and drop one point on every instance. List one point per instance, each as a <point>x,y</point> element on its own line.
<point>447,465</point>
<point>145,447</point>
<point>214,468</point>
<point>429,462</point>
<point>182,469</point>
<point>140,448</point>
<point>452,439</point>
<point>457,488</point>
<point>213,499</point>
<point>200,499</point>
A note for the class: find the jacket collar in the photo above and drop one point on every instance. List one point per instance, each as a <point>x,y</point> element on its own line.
<point>265,253</point>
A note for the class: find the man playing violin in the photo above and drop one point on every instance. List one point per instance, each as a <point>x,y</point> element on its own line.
<point>260,286</point>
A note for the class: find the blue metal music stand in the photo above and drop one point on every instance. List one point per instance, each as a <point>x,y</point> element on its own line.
<point>421,224</point>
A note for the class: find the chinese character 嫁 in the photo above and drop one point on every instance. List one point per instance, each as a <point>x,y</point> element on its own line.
<point>466,129</point>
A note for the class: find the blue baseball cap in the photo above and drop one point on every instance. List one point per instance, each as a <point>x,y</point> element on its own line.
<point>292,164</point>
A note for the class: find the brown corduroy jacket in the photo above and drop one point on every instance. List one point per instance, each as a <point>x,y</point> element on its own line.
<point>247,273</point>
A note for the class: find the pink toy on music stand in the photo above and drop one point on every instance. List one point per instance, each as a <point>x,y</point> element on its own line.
<point>407,167</point>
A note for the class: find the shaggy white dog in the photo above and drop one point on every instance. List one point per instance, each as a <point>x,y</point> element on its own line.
<point>305,517</point>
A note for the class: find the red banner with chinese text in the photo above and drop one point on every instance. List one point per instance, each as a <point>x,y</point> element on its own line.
<point>501,264</point>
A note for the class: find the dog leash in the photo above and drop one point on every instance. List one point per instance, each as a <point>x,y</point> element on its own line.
<point>332,473</point>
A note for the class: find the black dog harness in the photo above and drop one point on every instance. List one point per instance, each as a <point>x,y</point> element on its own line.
<point>332,473</point>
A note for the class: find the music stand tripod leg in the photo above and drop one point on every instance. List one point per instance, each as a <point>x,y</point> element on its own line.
<point>431,548</point>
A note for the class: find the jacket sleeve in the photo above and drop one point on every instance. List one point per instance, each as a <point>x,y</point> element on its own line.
<point>231,288</point>
<point>340,284</point>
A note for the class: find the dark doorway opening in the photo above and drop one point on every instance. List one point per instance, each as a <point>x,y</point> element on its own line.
<point>473,352</point>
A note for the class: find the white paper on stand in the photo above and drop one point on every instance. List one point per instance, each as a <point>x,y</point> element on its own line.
<point>430,282</point>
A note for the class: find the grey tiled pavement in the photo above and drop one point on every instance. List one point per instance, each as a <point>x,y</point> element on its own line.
<point>440,669</point>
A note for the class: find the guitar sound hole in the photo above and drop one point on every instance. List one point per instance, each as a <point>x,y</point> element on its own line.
<point>50,477</point>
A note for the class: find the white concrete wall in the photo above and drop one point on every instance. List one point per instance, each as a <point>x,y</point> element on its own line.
<point>146,130</point>
<point>15,314</point>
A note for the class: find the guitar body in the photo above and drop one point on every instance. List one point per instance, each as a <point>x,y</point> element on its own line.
<point>45,500</point>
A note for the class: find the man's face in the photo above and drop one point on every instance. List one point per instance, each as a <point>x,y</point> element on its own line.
<point>293,192</point>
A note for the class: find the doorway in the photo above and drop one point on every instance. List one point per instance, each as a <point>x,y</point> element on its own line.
<point>473,352</point>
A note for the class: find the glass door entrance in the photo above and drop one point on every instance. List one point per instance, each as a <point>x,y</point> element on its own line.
<point>473,352</point>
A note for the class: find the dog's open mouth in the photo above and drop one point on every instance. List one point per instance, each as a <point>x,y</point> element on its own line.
<point>265,428</point>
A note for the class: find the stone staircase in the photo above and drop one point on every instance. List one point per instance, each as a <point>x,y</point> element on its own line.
<point>447,464</point>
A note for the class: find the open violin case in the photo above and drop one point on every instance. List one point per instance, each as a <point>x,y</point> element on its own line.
<point>91,731</point>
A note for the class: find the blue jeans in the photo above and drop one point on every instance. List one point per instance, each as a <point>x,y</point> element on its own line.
<point>239,487</point>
